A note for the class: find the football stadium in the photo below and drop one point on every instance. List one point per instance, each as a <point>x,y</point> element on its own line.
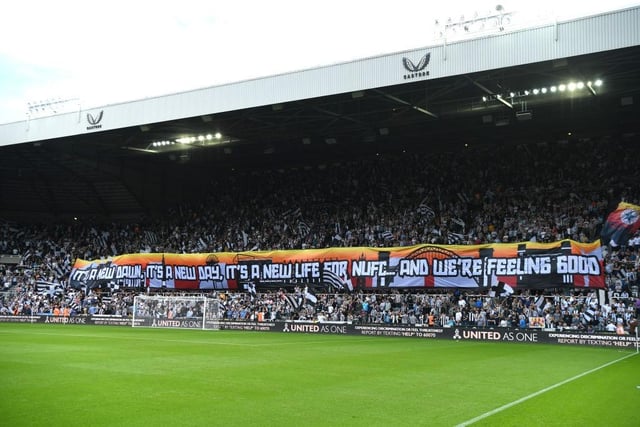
<point>445,236</point>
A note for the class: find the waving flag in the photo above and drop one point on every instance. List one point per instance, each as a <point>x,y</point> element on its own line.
<point>621,224</point>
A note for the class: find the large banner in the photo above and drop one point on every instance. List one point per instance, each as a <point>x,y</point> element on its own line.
<point>504,267</point>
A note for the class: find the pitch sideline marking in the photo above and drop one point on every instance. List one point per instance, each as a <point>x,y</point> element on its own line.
<point>539,392</point>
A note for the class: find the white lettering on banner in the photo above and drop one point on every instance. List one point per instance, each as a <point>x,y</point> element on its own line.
<point>455,267</point>
<point>155,271</point>
<point>526,267</point>
<point>106,273</point>
<point>363,268</point>
<point>210,272</point>
<point>79,275</point>
<point>521,266</point>
<point>414,267</point>
<point>255,271</point>
<point>237,271</point>
<point>578,264</point>
<point>307,269</point>
<point>276,271</point>
<point>337,267</point>
<point>185,272</point>
<point>128,271</point>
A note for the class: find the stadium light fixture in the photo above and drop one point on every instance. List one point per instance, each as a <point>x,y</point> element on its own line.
<point>203,140</point>
<point>571,86</point>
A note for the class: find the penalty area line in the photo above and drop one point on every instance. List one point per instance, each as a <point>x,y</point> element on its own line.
<point>539,392</point>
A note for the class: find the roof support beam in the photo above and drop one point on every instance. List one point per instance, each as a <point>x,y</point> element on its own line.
<point>490,92</point>
<point>403,102</point>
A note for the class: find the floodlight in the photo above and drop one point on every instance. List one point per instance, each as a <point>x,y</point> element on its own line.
<point>562,87</point>
<point>571,86</point>
<point>580,85</point>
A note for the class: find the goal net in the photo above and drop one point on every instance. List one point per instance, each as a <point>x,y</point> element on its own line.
<point>187,312</point>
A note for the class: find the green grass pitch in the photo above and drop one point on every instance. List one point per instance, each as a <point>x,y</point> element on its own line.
<point>73,375</point>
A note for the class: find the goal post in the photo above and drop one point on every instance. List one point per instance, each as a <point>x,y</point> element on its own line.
<point>184,312</point>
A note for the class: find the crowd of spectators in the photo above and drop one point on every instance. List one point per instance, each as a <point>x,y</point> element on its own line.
<point>486,194</point>
<point>564,311</point>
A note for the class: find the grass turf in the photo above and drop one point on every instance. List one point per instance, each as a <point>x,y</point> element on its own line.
<point>77,375</point>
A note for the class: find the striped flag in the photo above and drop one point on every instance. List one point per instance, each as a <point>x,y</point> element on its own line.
<point>459,222</point>
<point>150,238</point>
<point>337,282</point>
<point>251,288</point>
<point>589,315</point>
<point>49,288</point>
<point>57,270</point>
<point>426,211</point>
<point>201,244</point>
<point>500,289</point>
<point>292,213</point>
<point>309,296</point>
<point>292,301</point>
<point>386,235</point>
<point>463,197</point>
<point>455,238</point>
<point>303,229</point>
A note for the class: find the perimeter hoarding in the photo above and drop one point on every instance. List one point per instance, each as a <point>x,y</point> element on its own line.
<point>532,336</point>
<point>507,266</point>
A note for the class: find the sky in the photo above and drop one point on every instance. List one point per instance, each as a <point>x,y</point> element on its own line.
<point>96,53</point>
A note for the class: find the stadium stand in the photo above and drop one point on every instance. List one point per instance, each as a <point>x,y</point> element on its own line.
<point>524,194</point>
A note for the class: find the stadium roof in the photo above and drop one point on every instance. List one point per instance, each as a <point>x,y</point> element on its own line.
<point>514,96</point>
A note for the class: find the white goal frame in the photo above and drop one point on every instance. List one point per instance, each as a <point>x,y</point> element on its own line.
<point>183,312</point>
